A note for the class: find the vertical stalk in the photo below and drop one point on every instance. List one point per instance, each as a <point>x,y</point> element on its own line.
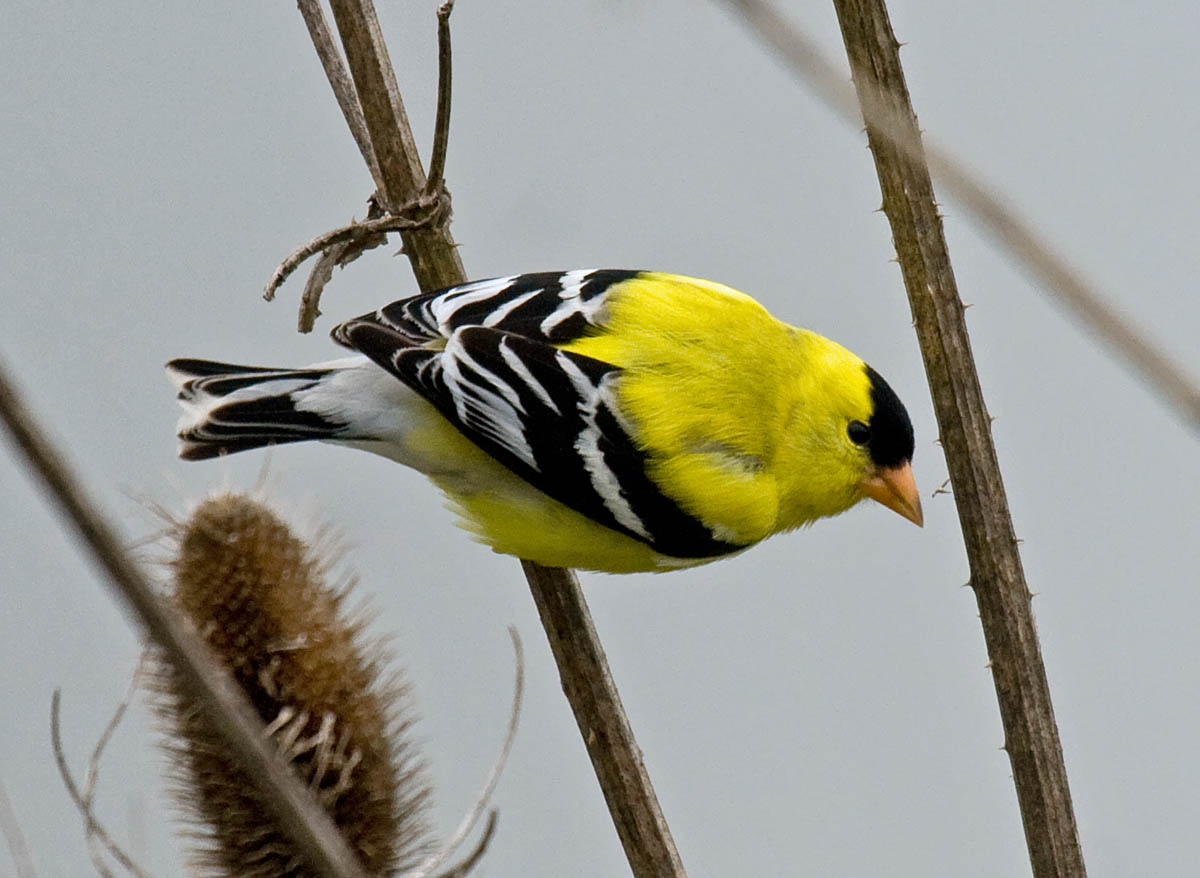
<point>1031,734</point>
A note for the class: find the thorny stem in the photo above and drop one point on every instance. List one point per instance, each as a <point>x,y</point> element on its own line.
<point>1031,733</point>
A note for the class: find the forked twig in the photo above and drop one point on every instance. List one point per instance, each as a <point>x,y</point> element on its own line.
<point>322,274</point>
<point>341,246</point>
<point>420,214</point>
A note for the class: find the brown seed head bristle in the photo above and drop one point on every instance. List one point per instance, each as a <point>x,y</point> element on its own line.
<point>258,596</point>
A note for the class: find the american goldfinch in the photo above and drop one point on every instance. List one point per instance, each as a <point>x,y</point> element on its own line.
<point>608,420</point>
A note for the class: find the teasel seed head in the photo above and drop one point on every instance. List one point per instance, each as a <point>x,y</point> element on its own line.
<point>258,596</point>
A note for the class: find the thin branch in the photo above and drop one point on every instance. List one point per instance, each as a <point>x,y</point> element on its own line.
<point>17,848</point>
<point>441,125</point>
<point>298,815</point>
<point>433,202</point>
<point>83,799</point>
<point>433,191</point>
<point>433,863</point>
<point>464,868</point>
<point>1031,733</point>
<point>339,81</point>
<point>318,278</point>
<point>341,255</point>
<point>587,681</point>
<point>1064,282</point>
<point>432,251</point>
<point>93,769</point>
<point>616,757</point>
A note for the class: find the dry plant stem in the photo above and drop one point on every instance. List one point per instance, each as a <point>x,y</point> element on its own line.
<point>1028,248</point>
<point>297,813</point>
<point>352,233</point>
<point>587,681</point>
<point>434,863</point>
<point>321,274</point>
<point>432,251</point>
<point>432,207</point>
<point>1031,734</point>
<point>114,721</point>
<point>464,868</point>
<point>441,126</point>
<point>339,81</point>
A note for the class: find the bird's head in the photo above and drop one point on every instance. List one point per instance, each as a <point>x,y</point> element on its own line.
<point>854,431</point>
<point>885,440</point>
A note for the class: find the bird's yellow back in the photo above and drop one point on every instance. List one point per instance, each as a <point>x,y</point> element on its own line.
<point>738,411</point>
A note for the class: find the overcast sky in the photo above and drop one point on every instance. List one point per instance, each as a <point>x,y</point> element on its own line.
<point>817,706</point>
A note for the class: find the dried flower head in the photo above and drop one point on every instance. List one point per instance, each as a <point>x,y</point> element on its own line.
<point>257,594</point>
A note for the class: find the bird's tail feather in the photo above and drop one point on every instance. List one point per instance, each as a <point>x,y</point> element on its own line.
<point>229,408</point>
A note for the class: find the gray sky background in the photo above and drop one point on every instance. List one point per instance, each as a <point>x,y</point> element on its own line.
<point>818,706</point>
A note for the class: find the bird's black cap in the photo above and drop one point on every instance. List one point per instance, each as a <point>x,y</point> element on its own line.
<point>891,443</point>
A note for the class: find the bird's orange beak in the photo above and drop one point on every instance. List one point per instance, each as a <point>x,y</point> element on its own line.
<point>896,489</point>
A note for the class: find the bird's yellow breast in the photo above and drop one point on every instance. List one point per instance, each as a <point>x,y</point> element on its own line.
<point>709,381</point>
<point>508,514</point>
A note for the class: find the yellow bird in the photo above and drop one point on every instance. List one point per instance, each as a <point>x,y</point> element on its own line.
<point>602,419</point>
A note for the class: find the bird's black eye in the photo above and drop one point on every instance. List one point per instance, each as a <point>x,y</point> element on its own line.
<point>860,433</point>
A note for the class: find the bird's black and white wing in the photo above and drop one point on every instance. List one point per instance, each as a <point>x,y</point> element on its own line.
<point>548,415</point>
<point>550,306</point>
